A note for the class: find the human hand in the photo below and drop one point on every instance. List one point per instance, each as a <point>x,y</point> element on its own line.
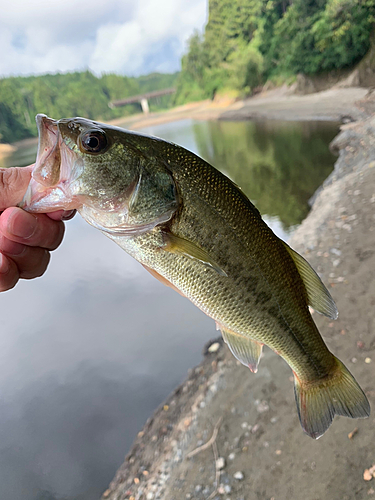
<point>25,239</point>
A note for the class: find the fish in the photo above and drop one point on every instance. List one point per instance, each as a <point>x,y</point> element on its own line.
<point>195,230</point>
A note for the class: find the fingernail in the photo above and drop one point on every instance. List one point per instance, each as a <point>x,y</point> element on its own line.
<point>22,225</point>
<point>68,215</point>
<point>4,264</point>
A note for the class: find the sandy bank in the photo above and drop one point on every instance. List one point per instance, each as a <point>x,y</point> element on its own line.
<point>253,418</point>
<point>202,110</point>
<point>335,104</point>
<point>6,150</point>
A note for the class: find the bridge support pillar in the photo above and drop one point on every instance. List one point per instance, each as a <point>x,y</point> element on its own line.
<point>145,108</point>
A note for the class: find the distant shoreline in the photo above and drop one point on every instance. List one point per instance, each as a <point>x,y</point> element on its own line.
<point>204,110</point>
<point>336,104</point>
<point>6,150</point>
<point>201,110</point>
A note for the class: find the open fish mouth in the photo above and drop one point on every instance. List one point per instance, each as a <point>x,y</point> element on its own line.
<point>50,185</point>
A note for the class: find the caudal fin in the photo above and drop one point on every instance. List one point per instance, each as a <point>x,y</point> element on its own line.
<point>317,403</point>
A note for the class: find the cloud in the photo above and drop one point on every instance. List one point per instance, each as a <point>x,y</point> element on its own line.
<point>123,36</point>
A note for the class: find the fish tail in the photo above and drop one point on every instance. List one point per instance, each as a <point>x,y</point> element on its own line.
<point>319,401</point>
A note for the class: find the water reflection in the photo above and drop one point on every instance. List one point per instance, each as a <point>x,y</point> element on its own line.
<point>24,155</point>
<point>87,353</point>
<point>278,165</point>
<point>89,350</point>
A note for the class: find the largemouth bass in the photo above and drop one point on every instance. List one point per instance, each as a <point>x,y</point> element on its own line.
<point>195,230</point>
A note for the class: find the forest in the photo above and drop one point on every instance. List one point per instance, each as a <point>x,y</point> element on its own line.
<point>244,44</point>
<point>72,94</point>
<point>247,42</point>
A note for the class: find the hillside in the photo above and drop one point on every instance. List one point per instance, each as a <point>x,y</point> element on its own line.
<point>71,94</point>
<point>247,42</point>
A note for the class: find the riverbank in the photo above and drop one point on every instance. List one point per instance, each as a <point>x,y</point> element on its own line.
<point>336,104</point>
<point>202,110</point>
<point>250,421</point>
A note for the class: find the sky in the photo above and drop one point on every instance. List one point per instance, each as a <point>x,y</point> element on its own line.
<point>130,37</point>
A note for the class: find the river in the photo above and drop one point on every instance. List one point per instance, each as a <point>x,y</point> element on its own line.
<point>92,348</point>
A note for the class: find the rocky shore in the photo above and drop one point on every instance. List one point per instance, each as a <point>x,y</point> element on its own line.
<point>228,434</point>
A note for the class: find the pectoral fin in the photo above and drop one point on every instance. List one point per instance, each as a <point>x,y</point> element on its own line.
<point>175,244</point>
<point>318,296</point>
<point>244,349</point>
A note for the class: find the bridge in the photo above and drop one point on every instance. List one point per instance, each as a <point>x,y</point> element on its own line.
<point>142,99</point>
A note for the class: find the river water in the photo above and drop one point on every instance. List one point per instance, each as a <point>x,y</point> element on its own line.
<point>89,350</point>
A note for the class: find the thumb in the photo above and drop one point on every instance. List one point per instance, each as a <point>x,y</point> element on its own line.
<point>13,185</point>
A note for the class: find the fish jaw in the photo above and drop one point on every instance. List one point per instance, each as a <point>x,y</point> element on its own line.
<point>57,168</point>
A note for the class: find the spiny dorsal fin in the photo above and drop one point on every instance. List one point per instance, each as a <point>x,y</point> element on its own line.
<point>244,349</point>
<point>318,296</point>
<point>175,244</point>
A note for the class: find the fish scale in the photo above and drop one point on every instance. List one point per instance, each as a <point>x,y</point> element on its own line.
<point>229,300</point>
<point>243,221</point>
<point>196,231</point>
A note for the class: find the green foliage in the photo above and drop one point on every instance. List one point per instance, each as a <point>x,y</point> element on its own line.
<point>190,85</point>
<point>9,123</point>
<point>71,94</point>
<point>246,68</point>
<point>246,42</point>
<point>312,37</point>
<point>227,56</point>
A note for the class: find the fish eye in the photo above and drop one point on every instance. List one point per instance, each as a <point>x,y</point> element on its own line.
<point>94,141</point>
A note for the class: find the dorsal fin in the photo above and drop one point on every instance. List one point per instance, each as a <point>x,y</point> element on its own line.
<point>319,297</point>
<point>244,349</point>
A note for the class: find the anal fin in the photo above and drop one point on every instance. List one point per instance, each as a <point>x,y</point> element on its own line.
<point>247,351</point>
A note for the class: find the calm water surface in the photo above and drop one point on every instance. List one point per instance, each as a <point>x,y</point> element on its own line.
<point>92,348</point>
